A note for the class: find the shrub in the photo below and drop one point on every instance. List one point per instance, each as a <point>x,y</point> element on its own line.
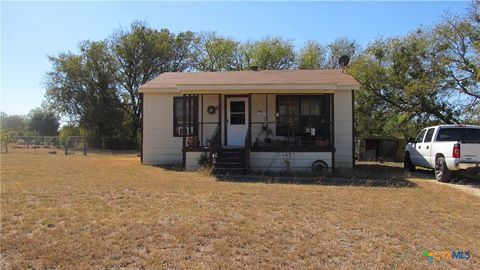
<point>204,160</point>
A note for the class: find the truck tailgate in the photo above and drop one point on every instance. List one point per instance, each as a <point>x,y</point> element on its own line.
<point>470,152</point>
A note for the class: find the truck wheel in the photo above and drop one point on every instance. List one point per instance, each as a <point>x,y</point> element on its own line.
<point>442,173</point>
<point>407,163</point>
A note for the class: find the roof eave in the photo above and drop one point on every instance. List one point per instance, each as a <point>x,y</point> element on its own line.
<point>254,87</point>
<point>153,89</point>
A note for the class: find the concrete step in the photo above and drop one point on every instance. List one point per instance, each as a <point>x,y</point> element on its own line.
<point>223,171</point>
<point>231,159</point>
<point>233,165</point>
<point>230,154</point>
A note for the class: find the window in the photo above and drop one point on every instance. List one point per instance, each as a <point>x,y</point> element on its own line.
<point>466,135</point>
<point>305,116</point>
<point>471,135</point>
<point>429,136</point>
<point>191,116</point>
<point>420,136</point>
<point>237,112</point>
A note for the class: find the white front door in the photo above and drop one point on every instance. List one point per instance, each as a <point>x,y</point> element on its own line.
<point>237,120</point>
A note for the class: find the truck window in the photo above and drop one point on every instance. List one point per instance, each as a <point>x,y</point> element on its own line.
<point>420,136</point>
<point>429,136</point>
<point>471,135</point>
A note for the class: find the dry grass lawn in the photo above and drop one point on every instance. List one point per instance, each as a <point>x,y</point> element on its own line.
<point>102,212</point>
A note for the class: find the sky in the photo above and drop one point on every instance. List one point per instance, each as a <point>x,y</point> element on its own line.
<point>31,31</point>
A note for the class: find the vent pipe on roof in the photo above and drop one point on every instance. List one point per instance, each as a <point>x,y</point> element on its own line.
<point>254,68</point>
<point>343,61</point>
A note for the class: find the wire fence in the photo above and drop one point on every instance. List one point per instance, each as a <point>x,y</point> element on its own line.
<point>55,145</point>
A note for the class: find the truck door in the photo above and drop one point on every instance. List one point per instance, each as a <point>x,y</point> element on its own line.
<point>415,155</point>
<point>424,149</point>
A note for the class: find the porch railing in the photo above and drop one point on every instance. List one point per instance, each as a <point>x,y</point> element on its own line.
<point>298,137</point>
<point>214,143</point>
<point>248,144</point>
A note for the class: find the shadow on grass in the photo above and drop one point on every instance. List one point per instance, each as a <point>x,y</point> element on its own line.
<point>170,167</point>
<point>466,180</point>
<point>466,177</point>
<point>363,175</point>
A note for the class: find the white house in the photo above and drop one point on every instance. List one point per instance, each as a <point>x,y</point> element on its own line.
<point>250,120</point>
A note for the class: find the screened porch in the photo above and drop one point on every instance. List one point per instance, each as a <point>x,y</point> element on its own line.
<point>259,122</point>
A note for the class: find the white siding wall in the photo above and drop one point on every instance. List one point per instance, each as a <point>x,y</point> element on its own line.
<point>343,129</point>
<point>277,161</point>
<point>159,145</point>
<point>191,161</point>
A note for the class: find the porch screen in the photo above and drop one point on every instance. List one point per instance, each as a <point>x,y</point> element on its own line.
<point>304,116</point>
<point>191,116</point>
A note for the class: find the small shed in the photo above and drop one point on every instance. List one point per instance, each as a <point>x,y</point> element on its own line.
<point>380,149</point>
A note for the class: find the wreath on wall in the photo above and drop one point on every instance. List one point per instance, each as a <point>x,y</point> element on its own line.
<point>211,109</point>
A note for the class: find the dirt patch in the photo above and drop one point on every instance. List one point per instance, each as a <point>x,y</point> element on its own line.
<point>474,190</point>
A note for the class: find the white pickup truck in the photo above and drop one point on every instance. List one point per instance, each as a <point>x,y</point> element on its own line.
<point>445,148</point>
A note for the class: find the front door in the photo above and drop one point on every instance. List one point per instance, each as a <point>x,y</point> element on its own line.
<point>237,120</point>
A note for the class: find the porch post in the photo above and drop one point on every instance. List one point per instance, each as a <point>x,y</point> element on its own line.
<point>220,114</point>
<point>195,115</point>
<point>201,120</point>
<point>332,113</point>
<point>184,131</point>
<point>190,111</point>
<point>250,115</point>
<point>353,129</point>
<point>266,108</point>
<point>141,126</point>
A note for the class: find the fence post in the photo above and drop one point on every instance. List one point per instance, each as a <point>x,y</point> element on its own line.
<point>66,145</point>
<point>84,145</point>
